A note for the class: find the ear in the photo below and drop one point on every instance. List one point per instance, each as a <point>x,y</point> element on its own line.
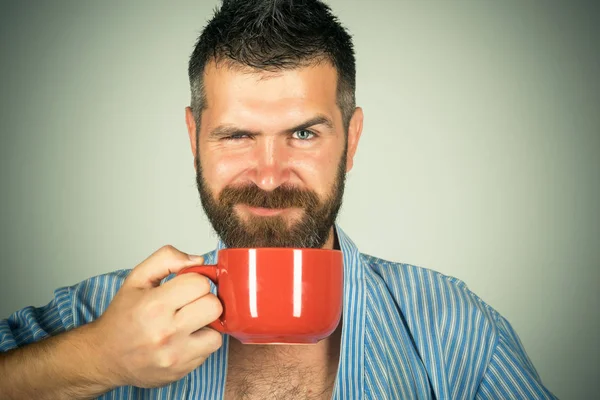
<point>190,121</point>
<point>354,131</point>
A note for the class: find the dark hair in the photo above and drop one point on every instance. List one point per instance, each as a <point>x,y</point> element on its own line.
<point>273,35</point>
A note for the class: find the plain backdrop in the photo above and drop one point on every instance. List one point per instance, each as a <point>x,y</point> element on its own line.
<point>479,157</point>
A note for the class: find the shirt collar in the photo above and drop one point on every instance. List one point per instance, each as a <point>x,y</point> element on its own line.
<point>350,376</point>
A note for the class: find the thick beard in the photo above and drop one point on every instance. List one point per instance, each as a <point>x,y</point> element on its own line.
<point>311,230</point>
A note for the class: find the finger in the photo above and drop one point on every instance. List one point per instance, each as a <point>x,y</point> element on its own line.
<point>205,342</point>
<point>200,346</point>
<point>198,314</point>
<point>182,290</point>
<point>166,260</point>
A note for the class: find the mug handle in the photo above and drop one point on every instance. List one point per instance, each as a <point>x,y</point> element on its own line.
<point>211,272</point>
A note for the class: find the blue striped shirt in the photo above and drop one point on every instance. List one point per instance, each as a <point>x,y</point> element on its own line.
<point>408,333</point>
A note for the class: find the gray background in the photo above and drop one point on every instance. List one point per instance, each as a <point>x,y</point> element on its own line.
<point>479,157</point>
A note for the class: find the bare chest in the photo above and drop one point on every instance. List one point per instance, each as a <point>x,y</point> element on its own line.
<point>285,381</point>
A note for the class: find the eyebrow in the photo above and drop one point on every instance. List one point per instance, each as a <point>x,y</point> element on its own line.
<point>231,130</point>
<point>317,120</point>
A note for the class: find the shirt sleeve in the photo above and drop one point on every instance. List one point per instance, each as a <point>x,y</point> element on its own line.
<point>510,373</point>
<point>32,324</point>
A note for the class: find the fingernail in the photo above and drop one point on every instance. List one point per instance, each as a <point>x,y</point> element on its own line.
<point>195,258</point>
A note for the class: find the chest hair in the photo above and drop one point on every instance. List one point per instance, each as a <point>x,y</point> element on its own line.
<point>285,381</point>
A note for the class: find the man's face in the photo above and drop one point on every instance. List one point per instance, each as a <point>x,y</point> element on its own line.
<point>272,155</point>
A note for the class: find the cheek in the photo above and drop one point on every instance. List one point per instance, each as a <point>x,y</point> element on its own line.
<point>317,171</point>
<point>219,170</point>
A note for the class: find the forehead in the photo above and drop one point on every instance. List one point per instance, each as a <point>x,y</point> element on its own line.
<point>243,95</point>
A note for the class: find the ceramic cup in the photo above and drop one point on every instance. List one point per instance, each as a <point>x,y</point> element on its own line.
<point>277,295</point>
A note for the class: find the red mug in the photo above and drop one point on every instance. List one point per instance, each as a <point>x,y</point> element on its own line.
<point>277,295</point>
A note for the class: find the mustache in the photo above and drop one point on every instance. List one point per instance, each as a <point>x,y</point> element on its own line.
<point>281,197</point>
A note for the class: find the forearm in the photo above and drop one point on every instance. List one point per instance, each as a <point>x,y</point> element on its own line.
<point>67,366</point>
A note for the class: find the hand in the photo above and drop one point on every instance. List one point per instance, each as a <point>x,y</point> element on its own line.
<point>152,335</point>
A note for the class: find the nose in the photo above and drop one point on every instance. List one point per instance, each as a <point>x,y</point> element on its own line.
<point>271,165</point>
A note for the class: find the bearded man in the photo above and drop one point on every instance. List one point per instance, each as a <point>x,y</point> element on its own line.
<point>273,128</point>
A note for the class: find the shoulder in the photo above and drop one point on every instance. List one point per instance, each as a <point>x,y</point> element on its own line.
<point>411,277</point>
<point>425,294</point>
<point>100,286</point>
<point>453,330</point>
<point>408,280</point>
<point>90,298</point>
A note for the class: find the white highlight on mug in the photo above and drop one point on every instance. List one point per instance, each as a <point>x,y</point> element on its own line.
<point>297,283</point>
<point>252,283</point>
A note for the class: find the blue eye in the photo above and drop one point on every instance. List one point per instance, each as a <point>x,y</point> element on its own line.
<point>303,134</point>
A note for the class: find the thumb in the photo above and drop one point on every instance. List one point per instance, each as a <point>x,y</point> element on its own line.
<point>163,262</point>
